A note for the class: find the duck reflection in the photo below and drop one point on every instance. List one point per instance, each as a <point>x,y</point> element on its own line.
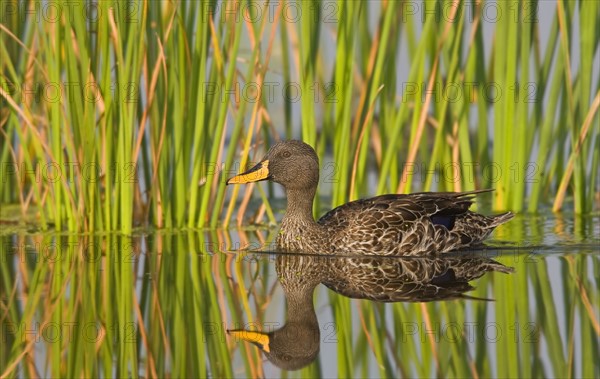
<point>397,279</point>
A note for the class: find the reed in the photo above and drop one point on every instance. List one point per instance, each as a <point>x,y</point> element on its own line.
<point>135,115</point>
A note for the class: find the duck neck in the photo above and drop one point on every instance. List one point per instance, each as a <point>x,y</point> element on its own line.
<point>301,309</point>
<point>298,276</point>
<point>299,206</point>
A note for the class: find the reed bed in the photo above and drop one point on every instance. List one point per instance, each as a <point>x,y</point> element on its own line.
<point>118,115</point>
<point>124,114</point>
<point>158,306</point>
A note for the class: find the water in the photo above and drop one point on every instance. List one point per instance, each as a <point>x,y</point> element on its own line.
<point>160,304</point>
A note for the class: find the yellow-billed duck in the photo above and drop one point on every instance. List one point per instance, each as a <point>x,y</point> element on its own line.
<point>411,224</point>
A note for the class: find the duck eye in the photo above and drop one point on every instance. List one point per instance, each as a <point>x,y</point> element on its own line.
<point>287,154</point>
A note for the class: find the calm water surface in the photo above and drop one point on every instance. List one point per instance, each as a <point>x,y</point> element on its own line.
<point>160,304</point>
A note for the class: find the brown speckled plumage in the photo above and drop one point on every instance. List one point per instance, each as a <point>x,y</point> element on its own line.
<point>392,225</point>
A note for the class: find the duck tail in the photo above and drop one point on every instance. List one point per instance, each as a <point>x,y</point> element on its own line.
<point>493,265</point>
<point>501,218</point>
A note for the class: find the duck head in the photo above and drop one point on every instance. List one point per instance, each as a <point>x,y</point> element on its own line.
<point>292,347</point>
<point>293,164</point>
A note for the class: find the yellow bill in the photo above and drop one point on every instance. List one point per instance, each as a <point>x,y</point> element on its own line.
<point>257,338</point>
<point>255,174</point>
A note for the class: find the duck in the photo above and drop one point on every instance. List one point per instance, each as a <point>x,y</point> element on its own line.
<point>373,278</point>
<point>388,225</point>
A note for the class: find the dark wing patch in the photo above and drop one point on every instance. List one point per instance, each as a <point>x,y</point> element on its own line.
<point>447,277</point>
<point>446,221</point>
